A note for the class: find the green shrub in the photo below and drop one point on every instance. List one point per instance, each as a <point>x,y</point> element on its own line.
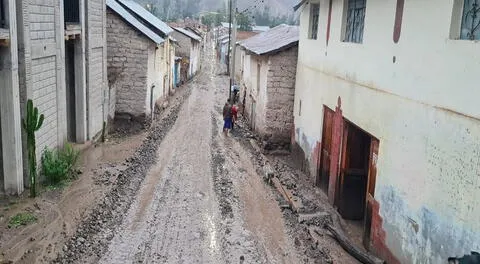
<point>70,156</point>
<point>21,219</point>
<point>58,166</point>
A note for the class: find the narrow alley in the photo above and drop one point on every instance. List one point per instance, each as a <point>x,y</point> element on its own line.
<point>202,200</point>
<point>190,207</point>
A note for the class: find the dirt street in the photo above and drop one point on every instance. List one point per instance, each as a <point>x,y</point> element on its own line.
<point>182,192</point>
<point>201,202</point>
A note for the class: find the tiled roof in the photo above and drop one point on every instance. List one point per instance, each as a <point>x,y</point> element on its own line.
<point>134,22</point>
<point>147,16</point>
<point>276,39</point>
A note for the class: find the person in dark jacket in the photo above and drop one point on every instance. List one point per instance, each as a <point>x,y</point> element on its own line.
<point>227,117</point>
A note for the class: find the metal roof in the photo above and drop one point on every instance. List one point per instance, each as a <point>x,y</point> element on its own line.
<point>188,34</point>
<point>276,39</point>
<point>223,37</point>
<point>147,16</point>
<point>297,6</point>
<point>260,28</point>
<point>117,8</point>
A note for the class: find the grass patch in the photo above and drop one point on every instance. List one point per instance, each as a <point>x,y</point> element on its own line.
<point>58,166</point>
<point>21,219</point>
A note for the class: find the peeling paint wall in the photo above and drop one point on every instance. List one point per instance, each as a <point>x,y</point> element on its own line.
<point>426,118</point>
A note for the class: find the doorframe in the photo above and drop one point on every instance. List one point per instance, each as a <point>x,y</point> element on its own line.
<point>371,177</point>
<point>318,179</point>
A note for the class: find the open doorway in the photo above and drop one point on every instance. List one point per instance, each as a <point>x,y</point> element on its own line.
<point>323,174</point>
<point>356,185</point>
<point>70,80</point>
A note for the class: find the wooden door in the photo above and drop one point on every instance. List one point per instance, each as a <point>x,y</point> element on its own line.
<point>372,177</point>
<point>323,175</point>
<point>354,172</point>
<point>343,167</point>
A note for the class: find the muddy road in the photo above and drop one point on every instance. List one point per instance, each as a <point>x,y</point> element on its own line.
<point>195,197</point>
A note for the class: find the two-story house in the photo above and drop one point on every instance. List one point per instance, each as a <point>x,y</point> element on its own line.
<point>54,54</point>
<point>387,119</point>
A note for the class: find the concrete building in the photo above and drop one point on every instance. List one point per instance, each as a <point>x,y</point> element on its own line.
<point>386,118</point>
<point>45,46</point>
<point>140,58</point>
<point>268,65</point>
<point>240,53</point>
<point>189,47</point>
<point>11,163</point>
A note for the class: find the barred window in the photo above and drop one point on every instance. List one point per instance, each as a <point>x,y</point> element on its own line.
<point>355,21</point>
<point>470,28</point>
<point>313,28</point>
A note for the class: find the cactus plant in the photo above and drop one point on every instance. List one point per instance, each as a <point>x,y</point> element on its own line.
<point>32,123</point>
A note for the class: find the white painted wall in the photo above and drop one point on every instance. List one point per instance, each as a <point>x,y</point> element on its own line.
<point>423,108</point>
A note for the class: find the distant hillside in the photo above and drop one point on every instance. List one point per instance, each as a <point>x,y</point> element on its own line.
<point>174,9</point>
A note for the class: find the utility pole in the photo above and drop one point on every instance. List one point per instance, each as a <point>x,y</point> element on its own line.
<point>233,47</point>
<point>229,35</point>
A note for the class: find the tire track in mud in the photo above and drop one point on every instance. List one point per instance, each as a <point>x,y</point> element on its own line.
<point>94,233</point>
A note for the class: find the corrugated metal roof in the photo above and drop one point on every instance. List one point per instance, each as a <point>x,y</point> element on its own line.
<point>275,39</point>
<point>188,34</point>
<point>147,16</point>
<point>117,8</point>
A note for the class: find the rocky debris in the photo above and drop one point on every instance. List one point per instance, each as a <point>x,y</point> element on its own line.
<point>126,125</point>
<point>94,233</point>
<point>222,184</point>
<point>317,219</point>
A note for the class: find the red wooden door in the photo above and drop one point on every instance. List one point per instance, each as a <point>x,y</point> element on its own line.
<point>372,178</point>
<point>323,176</point>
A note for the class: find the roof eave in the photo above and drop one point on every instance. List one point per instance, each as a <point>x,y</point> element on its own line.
<point>296,7</point>
<point>270,52</point>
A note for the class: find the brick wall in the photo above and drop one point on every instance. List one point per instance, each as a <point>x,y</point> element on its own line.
<point>39,77</point>
<point>95,53</point>
<point>127,59</point>
<point>42,21</point>
<point>45,98</point>
<point>185,44</point>
<point>281,94</point>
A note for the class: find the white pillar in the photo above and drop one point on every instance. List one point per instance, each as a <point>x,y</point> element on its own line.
<point>10,109</point>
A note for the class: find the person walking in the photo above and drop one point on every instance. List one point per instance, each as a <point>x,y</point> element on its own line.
<point>227,117</point>
<point>234,115</point>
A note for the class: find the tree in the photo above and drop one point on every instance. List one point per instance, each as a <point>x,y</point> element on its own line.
<point>244,22</point>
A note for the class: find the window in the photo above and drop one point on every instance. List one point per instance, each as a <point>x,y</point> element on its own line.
<point>313,27</point>
<point>71,11</point>
<point>470,28</point>
<point>2,14</point>
<point>355,20</point>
